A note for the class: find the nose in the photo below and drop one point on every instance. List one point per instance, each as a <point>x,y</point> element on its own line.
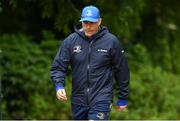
<point>88,25</point>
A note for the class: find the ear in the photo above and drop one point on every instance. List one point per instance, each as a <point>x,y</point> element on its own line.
<point>99,21</point>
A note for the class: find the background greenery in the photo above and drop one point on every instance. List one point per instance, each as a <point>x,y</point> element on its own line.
<point>32,30</point>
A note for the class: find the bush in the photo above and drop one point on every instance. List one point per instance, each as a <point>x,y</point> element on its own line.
<point>27,90</point>
<point>153,95</point>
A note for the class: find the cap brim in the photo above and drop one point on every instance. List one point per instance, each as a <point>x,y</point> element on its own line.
<point>89,19</point>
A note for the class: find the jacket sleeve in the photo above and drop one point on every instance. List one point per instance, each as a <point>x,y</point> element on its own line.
<point>60,65</point>
<point>121,70</point>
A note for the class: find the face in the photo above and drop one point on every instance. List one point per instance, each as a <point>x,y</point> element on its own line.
<point>90,28</point>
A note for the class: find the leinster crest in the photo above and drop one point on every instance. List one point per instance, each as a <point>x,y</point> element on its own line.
<point>77,49</point>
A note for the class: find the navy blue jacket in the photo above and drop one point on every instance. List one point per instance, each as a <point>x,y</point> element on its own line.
<point>95,62</point>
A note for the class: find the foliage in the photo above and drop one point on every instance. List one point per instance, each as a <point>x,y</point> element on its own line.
<point>160,33</point>
<point>140,57</point>
<point>154,95</point>
<point>25,79</point>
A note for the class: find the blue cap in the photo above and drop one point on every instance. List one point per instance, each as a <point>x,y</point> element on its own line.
<point>90,13</point>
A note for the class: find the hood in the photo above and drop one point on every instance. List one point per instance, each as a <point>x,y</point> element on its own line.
<point>79,30</point>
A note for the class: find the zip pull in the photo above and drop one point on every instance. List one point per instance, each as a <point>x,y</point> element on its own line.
<point>91,42</point>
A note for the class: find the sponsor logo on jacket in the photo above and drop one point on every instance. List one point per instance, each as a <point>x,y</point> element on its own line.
<point>102,50</point>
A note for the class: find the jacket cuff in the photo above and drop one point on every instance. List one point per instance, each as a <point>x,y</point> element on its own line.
<point>121,102</point>
<point>59,87</point>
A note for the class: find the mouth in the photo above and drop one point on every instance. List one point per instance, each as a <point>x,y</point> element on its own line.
<point>89,31</point>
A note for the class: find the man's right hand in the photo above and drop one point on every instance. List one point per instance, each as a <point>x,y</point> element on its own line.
<point>61,94</point>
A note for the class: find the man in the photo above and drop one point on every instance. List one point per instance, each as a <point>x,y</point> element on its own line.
<point>95,57</point>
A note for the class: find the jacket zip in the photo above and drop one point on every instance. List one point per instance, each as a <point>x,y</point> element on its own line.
<point>88,71</point>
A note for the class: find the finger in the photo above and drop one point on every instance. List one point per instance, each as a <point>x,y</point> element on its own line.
<point>121,108</point>
<point>60,92</point>
<point>60,95</point>
<point>63,92</point>
<point>63,97</point>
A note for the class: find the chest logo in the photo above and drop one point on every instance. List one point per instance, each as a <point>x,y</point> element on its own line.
<point>77,49</point>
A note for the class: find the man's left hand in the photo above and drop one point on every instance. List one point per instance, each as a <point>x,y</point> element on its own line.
<point>121,108</point>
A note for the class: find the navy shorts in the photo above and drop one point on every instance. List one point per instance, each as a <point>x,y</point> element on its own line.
<point>99,111</point>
